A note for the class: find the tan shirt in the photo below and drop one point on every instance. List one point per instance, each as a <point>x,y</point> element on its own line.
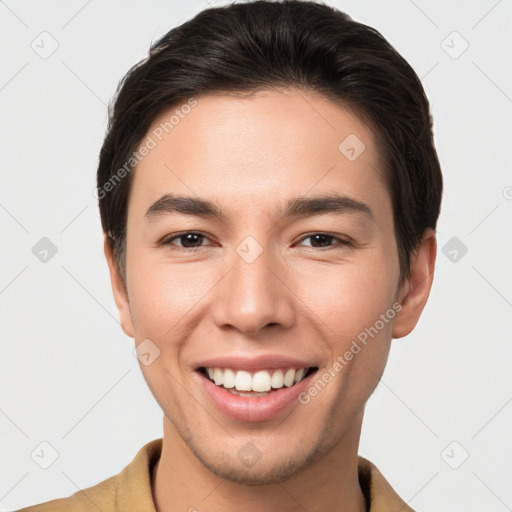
<point>130,490</point>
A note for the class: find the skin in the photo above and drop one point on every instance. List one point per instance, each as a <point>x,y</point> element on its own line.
<point>249,155</point>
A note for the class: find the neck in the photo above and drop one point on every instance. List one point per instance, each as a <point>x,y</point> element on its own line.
<point>330,482</point>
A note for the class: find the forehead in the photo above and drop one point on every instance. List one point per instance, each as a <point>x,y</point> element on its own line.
<point>259,147</point>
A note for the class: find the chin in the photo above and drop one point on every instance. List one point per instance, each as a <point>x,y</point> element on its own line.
<point>263,472</point>
<point>249,465</point>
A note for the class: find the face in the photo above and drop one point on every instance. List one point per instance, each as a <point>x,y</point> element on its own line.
<point>260,253</point>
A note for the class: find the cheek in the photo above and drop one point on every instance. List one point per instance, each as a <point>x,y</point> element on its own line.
<point>164,298</point>
<point>355,308</point>
<point>167,300</point>
<point>349,299</point>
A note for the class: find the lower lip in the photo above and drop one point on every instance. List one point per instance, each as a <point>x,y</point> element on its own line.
<point>253,409</point>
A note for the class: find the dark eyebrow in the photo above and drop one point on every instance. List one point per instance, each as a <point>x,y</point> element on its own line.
<point>305,206</point>
<point>296,207</point>
<point>188,205</point>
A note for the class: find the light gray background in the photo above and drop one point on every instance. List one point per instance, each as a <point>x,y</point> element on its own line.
<point>68,376</point>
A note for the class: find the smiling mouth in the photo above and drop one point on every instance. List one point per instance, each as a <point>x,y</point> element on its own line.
<point>255,384</point>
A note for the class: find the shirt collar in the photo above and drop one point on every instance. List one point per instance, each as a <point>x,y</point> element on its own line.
<point>134,491</point>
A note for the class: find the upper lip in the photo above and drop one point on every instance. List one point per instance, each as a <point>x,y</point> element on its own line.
<point>262,362</point>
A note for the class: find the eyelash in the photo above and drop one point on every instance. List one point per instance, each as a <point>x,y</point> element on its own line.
<point>169,241</point>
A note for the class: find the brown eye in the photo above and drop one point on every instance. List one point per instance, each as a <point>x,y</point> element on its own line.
<point>188,240</point>
<point>324,240</point>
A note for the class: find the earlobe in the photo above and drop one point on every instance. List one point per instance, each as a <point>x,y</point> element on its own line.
<point>415,291</point>
<point>118,289</point>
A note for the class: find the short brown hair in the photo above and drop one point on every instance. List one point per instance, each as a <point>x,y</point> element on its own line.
<point>269,44</point>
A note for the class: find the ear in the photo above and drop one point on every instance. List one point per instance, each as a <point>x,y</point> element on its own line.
<point>118,288</point>
<point>413,294</point>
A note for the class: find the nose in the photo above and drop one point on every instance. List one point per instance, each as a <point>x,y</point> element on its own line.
<point>254,295</point>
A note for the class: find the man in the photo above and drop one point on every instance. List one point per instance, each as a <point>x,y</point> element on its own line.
<point>269,192</point>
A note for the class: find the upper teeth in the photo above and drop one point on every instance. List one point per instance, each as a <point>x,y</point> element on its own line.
<point>261,381</point>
